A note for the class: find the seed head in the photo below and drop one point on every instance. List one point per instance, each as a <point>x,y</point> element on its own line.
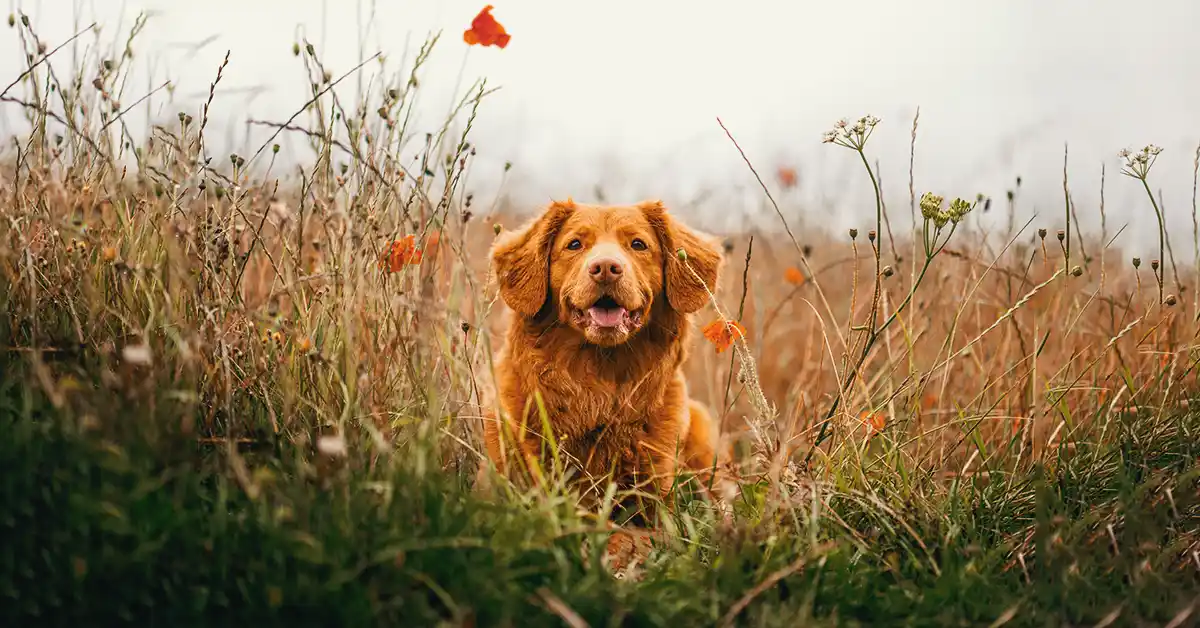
<point>888,272</point>
<point>853,233</point>
<point>1061,235</point>
<point>931,209</point>
<point>871,235</point>
<point>931,204</point>
<point>296,49</point>
<point>681,254</point>
<point>1076,271</point>
<point>1170,300</point>
<point>496,228</point>
<point>1042,233</point>
<point>959,209</point>
<point>1137,262</point>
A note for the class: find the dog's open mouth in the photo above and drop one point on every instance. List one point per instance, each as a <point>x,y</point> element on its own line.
<point>607,314</point>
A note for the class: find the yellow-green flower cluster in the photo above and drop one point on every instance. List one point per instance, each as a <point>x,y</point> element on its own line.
<point>931,209</point>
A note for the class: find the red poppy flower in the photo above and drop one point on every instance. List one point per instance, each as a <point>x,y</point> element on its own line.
<point>722,333</point>
<point>400,253</point>
<point>486,31</point>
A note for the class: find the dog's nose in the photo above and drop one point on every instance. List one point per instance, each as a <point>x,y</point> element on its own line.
<point>605,269</point>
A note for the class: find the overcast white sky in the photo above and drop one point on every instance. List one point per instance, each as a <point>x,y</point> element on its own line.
<point>625,93</point>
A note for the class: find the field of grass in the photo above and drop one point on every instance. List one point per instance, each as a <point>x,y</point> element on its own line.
<point>229,390</point>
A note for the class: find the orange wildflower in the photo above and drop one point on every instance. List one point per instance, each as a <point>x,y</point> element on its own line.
<point>793,276</point>
<point>876,421</point>
<point>486,31</point>
<point>400,253</point>
<point>787,177</point>
<point>722,333</point>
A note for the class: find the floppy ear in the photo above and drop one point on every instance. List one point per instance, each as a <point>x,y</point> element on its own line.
<point>521,260</point>
<point>685,293</point>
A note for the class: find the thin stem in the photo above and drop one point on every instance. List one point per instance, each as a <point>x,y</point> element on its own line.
<point>1162,240</point>
<point>878,234</point>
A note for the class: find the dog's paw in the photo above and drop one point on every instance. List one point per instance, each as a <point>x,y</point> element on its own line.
<point>626,552</point>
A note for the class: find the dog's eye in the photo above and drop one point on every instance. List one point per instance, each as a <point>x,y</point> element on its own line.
<point>574,245</point>
<point>638,245</point>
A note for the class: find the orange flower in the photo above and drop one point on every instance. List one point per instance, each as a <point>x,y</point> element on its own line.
<point>722,333</point>
<point>793,276</point>
<point>787,177</point>
<point>876,421</point>
<point>486,31</point>
<point>928,401</point>
<point>400,253</point>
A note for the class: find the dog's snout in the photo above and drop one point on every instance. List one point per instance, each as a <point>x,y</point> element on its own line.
<point>606,269</point>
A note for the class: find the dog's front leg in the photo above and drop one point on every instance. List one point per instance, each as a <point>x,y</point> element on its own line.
<point>512,447</point>
<point>659,450</point>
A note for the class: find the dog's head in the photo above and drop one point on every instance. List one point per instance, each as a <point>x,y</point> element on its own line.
<point>605,271</point>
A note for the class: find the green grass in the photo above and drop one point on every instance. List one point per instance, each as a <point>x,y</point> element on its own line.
<point>102,530</point>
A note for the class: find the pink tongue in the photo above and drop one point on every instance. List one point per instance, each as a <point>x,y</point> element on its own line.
<point>605,317</point>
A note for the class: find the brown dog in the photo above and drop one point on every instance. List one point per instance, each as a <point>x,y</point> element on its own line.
<point>602,298</point>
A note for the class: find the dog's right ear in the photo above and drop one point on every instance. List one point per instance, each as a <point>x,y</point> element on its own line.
<point>521,260</point>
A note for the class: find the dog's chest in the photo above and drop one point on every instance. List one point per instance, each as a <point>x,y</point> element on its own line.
<point>589,408</point>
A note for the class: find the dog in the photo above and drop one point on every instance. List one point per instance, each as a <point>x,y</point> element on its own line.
<point>601,300</point>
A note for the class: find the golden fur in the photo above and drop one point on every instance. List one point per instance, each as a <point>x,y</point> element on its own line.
<point>608,378</point>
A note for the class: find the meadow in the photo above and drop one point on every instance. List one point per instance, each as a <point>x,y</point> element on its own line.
<point>236,390</point>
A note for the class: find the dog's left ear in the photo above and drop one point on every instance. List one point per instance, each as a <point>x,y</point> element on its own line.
<point>689,276</point>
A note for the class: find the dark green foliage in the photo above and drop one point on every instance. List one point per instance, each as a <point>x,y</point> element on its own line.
<point>163,533</point>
